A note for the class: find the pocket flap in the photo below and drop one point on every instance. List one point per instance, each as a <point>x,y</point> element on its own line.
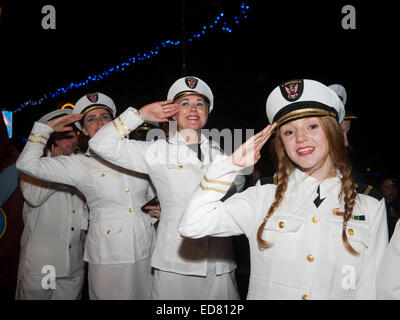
<point>284,223</point>
<point>112,225</point>
<point>356,231</point>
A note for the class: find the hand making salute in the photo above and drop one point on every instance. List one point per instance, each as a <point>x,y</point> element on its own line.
<point>184,268</point>
<point>120,237</point>
<point>311,235</point>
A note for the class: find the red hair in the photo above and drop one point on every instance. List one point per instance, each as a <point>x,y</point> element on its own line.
<point>341,163</point>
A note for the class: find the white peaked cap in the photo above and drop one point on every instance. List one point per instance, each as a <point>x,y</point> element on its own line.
<point>191,85</point>
<point>303,98</point>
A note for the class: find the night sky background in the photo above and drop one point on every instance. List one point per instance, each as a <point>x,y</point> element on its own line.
<point>278,41</point>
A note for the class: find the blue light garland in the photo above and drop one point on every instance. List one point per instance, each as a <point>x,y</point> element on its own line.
<point>219,23</point>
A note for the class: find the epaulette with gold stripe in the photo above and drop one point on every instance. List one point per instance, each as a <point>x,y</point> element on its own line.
<point>367,189</point>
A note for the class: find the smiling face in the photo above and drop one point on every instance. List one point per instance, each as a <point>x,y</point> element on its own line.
<point>193,112</point>
<point>306,145</point>
<point>94,120</point>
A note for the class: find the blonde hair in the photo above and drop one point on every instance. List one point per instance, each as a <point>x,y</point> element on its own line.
<point>340,161</point>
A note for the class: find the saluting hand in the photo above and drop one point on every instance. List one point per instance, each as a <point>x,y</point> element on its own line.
<point>159,111</point>
<point>62,123</point>
<point>248,153</point>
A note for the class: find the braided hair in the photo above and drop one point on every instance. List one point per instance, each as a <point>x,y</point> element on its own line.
<point>340,161</point>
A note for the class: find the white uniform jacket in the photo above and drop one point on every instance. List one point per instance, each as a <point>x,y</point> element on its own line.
<point>175,171</point>
<point>307,259</point>
<point>119,232</point>
<point>54,216</point>
<point>388,279</point>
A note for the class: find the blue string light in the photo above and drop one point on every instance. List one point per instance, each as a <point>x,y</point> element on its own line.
<point>219,23</point>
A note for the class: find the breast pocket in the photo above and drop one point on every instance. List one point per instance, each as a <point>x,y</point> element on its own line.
<point>283,233</point>
<point>114,237</point>
<point>106,182</point>
<point>358,236</point>
<point>185,177</point>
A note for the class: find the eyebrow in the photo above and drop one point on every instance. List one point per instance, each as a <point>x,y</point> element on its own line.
<point>198,99</point>
<point>103,113</point>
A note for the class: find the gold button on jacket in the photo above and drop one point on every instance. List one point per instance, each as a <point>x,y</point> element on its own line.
<point>310,258</point>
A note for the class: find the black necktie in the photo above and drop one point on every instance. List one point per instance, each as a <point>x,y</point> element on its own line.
<point>318,200</point>
<point>196,148</point>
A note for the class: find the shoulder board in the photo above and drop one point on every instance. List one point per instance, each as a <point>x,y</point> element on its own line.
<point>268,180</point>
<point>367,189</point>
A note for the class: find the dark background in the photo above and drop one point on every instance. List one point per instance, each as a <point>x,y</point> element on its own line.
<point>279,40</point>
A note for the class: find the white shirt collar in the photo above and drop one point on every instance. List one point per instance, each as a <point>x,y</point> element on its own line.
<point>311,184</point>
<point>178,139</point>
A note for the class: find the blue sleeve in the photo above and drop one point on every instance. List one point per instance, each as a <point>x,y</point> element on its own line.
<point>8,182</point>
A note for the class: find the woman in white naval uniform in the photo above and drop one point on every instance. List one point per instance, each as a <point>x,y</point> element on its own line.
<point>52,242</point>
<point>184,268</point>
<point>118,245</point>
<point>311,236</point>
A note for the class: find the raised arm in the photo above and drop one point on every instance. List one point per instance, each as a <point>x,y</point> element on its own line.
<point>110,143</point>
<point>61,169</point>
<point>205,214</point>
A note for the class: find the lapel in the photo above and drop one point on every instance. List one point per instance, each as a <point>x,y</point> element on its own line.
<point>302,190</point>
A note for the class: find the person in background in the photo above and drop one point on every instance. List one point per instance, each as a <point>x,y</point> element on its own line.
<point>11,222</point>
<point>349,117</point>
<point>52,242</point>
<point>390,188</point>
<point>363,183</point>
<point>120,237</point>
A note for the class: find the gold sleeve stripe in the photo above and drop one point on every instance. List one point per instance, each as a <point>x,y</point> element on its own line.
<point>123,124</point>
<point>217,181</point>
<point>39,136</point>
<point>35,141</point>
<point>212,189</point>
<point>118,129</point>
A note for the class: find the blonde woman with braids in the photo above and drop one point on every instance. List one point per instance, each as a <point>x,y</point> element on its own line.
<point>311,236</point>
